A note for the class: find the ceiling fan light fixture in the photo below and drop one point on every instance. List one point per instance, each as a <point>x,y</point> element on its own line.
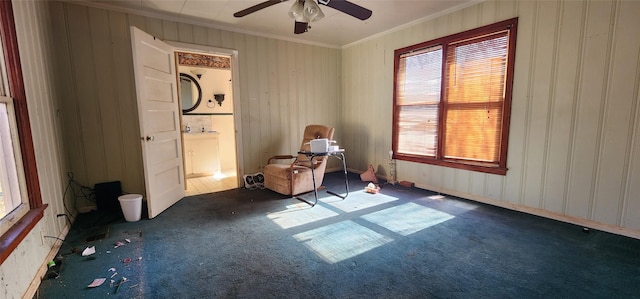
<point>312,10</point>
<point>297,12</point>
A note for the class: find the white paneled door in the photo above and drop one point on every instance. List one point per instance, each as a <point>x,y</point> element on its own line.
<point>158,111</point>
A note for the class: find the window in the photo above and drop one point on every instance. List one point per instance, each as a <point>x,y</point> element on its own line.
<point>10,195</point>
<point>21,201</point>
<point>452,99</point>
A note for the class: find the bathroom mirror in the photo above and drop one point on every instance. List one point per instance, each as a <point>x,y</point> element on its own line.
<point>190,93</point>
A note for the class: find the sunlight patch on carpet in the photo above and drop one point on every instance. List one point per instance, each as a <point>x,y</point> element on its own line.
<point>408,218</point>
<point>340,241</point>
<point>300,214</point>
<point>358,200</point>
<point>463,204</point>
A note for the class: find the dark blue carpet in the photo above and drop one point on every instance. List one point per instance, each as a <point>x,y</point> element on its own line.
<point>399,243</point>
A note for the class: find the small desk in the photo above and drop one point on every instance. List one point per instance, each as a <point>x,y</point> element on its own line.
<point>337,154</point>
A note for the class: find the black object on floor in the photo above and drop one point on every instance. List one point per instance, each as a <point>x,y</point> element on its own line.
<point>107,196</point>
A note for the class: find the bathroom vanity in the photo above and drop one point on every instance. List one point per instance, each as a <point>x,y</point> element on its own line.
<point>202,155</point>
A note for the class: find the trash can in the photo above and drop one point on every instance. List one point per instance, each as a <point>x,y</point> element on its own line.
<point>131,205</point>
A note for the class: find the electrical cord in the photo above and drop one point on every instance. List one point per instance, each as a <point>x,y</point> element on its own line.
<point>83,189</point>
<point>86,192</point>
<point>52,237</point>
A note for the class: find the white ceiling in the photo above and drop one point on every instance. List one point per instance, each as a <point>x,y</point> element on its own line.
<point>336,29</point>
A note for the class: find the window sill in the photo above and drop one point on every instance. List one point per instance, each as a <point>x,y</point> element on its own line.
<point>12,238</point>
<point>454,164</point>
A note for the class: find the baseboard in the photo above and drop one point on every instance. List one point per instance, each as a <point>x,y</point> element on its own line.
<point>539,212</point>
<point>35,283</point>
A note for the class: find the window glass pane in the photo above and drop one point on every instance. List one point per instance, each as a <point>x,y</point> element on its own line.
<point>474,99</point>
<point>4,83</point>
<point>418,130</point>
<point>9,188</point>
<point>420,77</point>
<point>475,135</point>
<point>477,71</point>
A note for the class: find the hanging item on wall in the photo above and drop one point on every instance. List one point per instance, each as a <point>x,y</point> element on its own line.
<point>219,98</point>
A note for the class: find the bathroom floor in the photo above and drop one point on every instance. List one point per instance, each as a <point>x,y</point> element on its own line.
<point>209,184</point>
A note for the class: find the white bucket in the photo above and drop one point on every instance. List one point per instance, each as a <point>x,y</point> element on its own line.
<point>131,205</point>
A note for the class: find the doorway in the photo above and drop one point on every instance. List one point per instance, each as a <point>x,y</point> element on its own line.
<point>208,120</point>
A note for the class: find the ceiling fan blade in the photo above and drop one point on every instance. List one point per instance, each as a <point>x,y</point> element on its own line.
<point>300,27</point>
<point>256,7</point>
<point>347,7</point>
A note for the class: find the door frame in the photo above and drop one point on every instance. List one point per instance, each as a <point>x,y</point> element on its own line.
<point>235,86</point>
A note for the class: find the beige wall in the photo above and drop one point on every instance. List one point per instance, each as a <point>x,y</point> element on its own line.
<point>79,78</point>
<point>283,87</point>
<point>36,47</point>
<point>573,149</point>
<point>574,146</point>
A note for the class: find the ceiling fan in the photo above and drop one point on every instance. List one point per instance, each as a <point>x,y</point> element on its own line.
<point>307,11</point>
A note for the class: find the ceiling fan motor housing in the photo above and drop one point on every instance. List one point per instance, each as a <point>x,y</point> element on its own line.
<point>306,11</point>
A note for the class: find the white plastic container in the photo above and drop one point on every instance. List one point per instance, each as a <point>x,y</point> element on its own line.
<point>320,145</point>
<point>131,205</point>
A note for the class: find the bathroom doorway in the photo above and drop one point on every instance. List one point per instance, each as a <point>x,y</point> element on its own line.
<point>208,120</point>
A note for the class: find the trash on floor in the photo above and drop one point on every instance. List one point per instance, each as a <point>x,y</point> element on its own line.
<point>406,184</point>
<point>254,181</point>
<point>89,251</point>
<point>369,175</point>
<point>53,268</point>
<point>96,282</point>
<point>123,280</point>
<point>371,188</point>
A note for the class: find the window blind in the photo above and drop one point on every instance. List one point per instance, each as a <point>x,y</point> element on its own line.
<point>474,98</point>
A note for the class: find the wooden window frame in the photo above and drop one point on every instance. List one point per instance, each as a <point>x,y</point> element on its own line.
<point>500,167</point>
<point>10,240</point>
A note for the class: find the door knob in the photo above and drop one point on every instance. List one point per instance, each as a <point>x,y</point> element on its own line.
<point>148,138</point>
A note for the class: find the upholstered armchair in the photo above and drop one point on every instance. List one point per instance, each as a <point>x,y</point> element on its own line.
<point>293,178</point>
